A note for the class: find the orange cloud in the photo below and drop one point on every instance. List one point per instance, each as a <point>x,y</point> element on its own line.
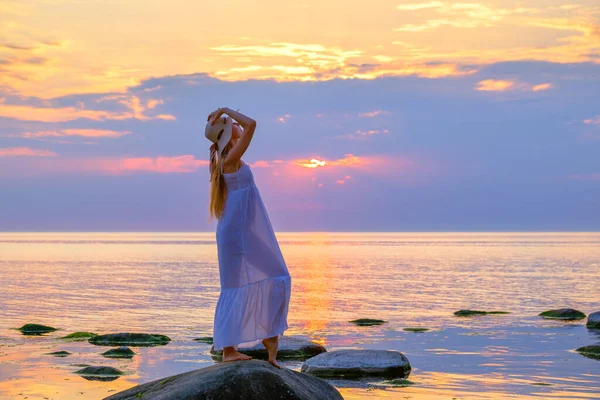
<point>25,152</point>
<point>543,86</point>
<point>372,114</point>
<point>498,85</point>
<point>312,163</point>
<point>73,132</point>
<point>261,164</point>
<point>163,165</point>
<point>593,121</point>
<point>340,181</point>
<point>64,114</point>
<point>284,118</point>
<point>494,85</point>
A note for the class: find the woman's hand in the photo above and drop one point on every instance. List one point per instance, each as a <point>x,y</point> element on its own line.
<point>216,114</point>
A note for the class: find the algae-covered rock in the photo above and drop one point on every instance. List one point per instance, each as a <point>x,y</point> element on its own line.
<point>591,351</point>
<point>99,373</point>
<point>564,314</point>
<point>79,336</point>
<point>367,322</point>
<point>59,354</point>
<point>472,313</point>
<point>416,329</point>
<point>119,352</point>
<point>205,339</point>
<point>36,329</point>
<point>130,339</point>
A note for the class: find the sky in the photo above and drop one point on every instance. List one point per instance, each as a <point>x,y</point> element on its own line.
<point>371,116</point>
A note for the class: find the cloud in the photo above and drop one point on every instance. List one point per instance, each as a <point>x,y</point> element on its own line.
<point>96,133</point>
<point>542,86</point>
<point>135,110</point>
<point>163,165</point>
<point>261,164</point>
<point>499,85</point>
<point>592,121</point>
<point>121,165</point>
<point>362,134</point>
<point>419,6</point>
<point>284,118</point>
<point>372,114</point>
<point>461,15</point>
<point>494,85</point>
<point>25,152</point>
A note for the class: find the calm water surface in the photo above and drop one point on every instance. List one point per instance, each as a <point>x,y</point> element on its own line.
<point>168,283</point>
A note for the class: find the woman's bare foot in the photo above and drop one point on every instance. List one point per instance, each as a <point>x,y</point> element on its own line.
<point>271,344</point>
<point>231,354</point>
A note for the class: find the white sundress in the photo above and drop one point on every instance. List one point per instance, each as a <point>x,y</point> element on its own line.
<point>255,282</point>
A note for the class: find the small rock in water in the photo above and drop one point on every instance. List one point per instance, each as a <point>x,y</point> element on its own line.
<point>79,336</point>
<point>593,321</point>
<point>367,322</point>
<point>416,329</point>
<point>119,352</point>
<point>99,373</point>
<point>353,364</point>
<point>36,329</point>
<point>564,314</point>
<point>591,351</point>
<point>290,348</point>
<point>471,313</point>
<point>400,382</point>
<point>130,339</point>
<point>241,380</point>
<point>59,354</point>
<point>205,339</point>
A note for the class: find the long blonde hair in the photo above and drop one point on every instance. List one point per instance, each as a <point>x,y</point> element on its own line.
<point>218,189</point>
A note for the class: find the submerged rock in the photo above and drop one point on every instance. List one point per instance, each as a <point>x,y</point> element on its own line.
<point>415,329</point>
<point>368,322</point>
<point>79,336</point>
<point>591,351</point>
<point>565,314</point>
<point>241,380</point>
<point>352,364</point>
<point>290,348</point>
<point>593,321</point>
<point>130,339</point>
<point>471,313</point>
<point>119,352</point>
<point>59,354</point>
<point>205,339</point>
<point>99,373</point>
<point>36,329</point>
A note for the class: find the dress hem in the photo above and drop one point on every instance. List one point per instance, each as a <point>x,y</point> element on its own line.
<point>252,340</point>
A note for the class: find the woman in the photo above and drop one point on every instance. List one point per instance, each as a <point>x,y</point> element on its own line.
<point>255,282</point>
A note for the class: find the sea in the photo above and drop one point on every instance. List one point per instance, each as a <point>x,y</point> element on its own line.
<point>168,283</point>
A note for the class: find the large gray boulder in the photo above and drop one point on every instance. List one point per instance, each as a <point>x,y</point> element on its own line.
<point>238,380</point>
<point>353,364</point>
<point>290,348</point>
<point>593,321</point>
